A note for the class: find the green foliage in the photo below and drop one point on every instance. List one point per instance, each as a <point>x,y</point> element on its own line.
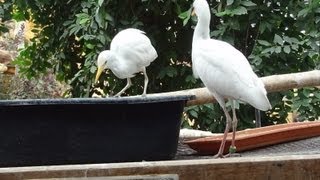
<point>276,36</point>
<point>5,9</point>
<point>76,31</point>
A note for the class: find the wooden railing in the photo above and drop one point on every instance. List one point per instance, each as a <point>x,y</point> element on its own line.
<point>274,83</point>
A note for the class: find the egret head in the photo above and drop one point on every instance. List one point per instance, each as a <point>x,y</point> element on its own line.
<point>102,62</point>
<point>200,7</point>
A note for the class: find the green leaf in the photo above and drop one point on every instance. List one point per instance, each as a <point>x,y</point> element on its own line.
<point>277,39</point>
<point>223,13</point>
<point>100,2</point>
<point>185,16</point>
<point>264,43</point>
<point>108,17</point>
<point>99,19</point>
<point>303,12</point>
<point>229,2</point>
<point>74,29</point>
<point>296,105</point>
<point>219,7</point>
<point>257,60</point>
<point>287,49</point>
<point>194,113</point>
<point>306,102</point>
<point>84,21</point>
<point>93,69</point>
<point>239,10</point>
<point>67,23</point>
<point>317,94</point>
<point>295,47</point>
<point>89,46</point>
<point>248,3</point>
<point>317,19</point>
<point>171,71</point>
<point>287,39</point>
<point>306,92</point>
<point>82,15</point>
<point>278,49</point>
<point>294,40</point>
<point>268,50</point>
<point>264,25</point>
<point>190,78</point>
<point>102,39</point>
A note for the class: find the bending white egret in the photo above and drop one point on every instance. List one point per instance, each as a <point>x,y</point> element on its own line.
<point>225,71</point>
<point>130,52</point>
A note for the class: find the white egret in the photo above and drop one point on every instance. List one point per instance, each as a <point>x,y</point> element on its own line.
<point>130,52</point>
<point>225,71</point>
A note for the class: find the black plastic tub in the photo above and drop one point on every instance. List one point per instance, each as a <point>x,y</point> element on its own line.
<point>87,130</point>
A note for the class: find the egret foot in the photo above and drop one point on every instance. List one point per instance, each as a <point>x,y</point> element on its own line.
<point>232,155</point>
<point>219,155</point>
<point>232,152</point>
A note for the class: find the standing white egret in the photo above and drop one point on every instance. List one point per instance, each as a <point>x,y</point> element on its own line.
<point>130,52</point>
<point>225,71</point>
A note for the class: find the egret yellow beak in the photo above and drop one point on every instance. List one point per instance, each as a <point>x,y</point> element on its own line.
<point>100,70</point>
<point>193,13</point>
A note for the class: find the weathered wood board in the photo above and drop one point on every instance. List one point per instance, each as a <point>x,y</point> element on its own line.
<point>275,167</point>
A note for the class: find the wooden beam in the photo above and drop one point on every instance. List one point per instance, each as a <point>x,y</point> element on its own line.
<point>274,83</point>
<point>274,167</point>
<point>10,70</point>
<point>5,57</point>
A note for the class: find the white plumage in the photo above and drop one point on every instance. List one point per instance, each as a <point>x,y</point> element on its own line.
<point>130,52</point>
<point>224,70</point>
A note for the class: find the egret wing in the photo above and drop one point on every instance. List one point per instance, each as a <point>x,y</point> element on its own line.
<point>134,47</point>
<point>225,70</point>
<point>221,56</point>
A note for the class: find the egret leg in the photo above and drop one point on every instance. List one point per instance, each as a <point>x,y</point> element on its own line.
<point>258,117</point>
<point>228,123</point>
<point>125,88</point>
<point>234,124</point>
<point>233,147</point>
<point>146,81</point>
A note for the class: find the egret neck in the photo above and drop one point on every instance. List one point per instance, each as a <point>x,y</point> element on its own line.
<point>202,29</point>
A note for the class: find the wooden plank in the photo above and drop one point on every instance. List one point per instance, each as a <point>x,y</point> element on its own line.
<point>133,177</point>
<point>275,167</point>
